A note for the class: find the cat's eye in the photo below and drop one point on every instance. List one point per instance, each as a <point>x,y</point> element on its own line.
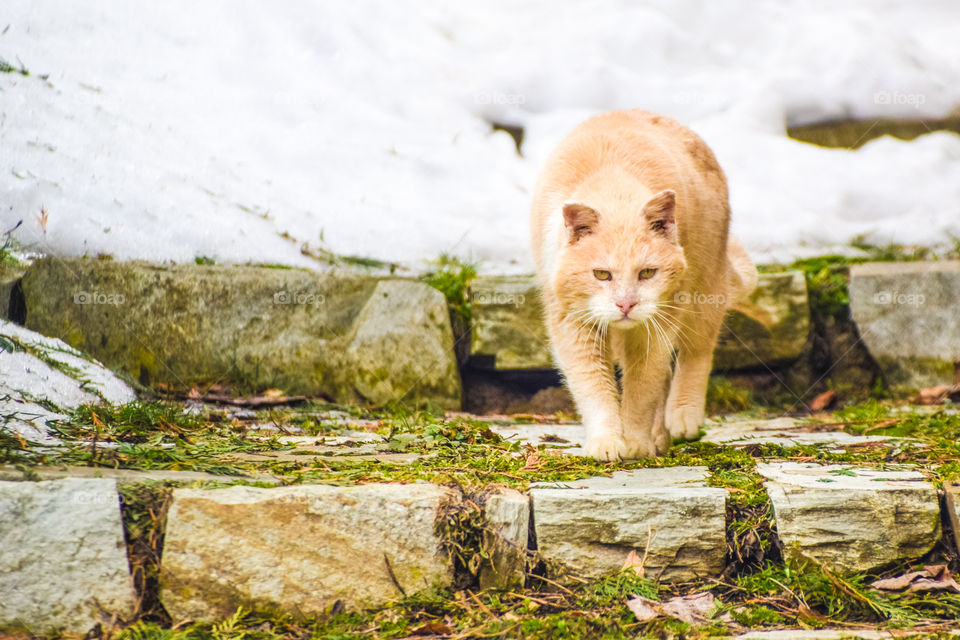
<point>602,274</point>
<point>646,274</point>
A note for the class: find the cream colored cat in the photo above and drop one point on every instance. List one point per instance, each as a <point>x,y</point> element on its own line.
<point>630,225</point>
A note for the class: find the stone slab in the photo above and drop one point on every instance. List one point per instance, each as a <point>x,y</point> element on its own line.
<point>352,338</point>
<point>783,431</point>
<point>908,314</point>
<point>64,560</point>
<point>951,492</point>
<point>302,548</point>
<point>588,527</point>
<point>507,514</point>
<point>852,518</point>
<point>568,438</point>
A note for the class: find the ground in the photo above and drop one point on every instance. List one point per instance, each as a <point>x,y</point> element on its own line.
<point>317,443</point>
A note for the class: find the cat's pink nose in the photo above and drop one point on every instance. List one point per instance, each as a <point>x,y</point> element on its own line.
<point>626,305</point>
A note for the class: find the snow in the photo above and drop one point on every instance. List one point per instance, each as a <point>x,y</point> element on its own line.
<point>240,130</point>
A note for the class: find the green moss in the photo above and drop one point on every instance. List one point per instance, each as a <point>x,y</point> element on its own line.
<point>451,277</point>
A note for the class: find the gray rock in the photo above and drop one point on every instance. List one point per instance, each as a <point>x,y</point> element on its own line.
<point>587,528</point>
<point>567,437</point>
<point>507,513</point>
<point>402,346</point>
<point>350,337</point>
<point>784,431</point>
<point>855,522</point>
<point>820,634</point>
<point>300,548</point>
<point>509,333</point>
<point>908,314</point>
<point>951,492</point>
<point>64,561</point>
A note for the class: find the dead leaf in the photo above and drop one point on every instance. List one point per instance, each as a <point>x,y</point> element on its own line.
<point>533,462</point>
<point>692,609</point>
<point>933,578</point>
<point>938,394</point>
<point>43,218</point>
<point>823,400</point>
<point>432,628</point>
<point>635,562</point>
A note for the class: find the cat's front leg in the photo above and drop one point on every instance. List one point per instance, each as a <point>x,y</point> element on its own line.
<point>645,362</point>
<point>588,370</point>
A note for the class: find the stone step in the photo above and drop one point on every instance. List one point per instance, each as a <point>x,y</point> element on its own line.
<point>852,519</point>
<point>908,314</point>
<point>771,328</point>
<point>586,528</point>
<point>349,337</point>
<point>303,548</point>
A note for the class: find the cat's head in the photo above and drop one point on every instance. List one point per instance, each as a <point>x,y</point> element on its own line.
<point>622,260</point>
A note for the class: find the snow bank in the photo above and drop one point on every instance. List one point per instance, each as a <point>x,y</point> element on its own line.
<point>239,130</point>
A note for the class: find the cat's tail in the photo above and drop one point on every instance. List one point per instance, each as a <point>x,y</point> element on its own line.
<point>741,272</point>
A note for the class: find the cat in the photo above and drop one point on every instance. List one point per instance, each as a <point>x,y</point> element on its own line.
<point>629,230</point>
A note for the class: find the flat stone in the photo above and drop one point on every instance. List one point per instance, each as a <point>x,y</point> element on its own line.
<point>566,437</point>
<point>64,561</point>
<point>586,528</point>
<point>770,328</point>
<point>300,548</point>
<point>908,314</point>
<point>785,432</point>
<point>822,634</point>
<point>509,333</point>
<point>852,523</point>
<point>507,513</point>
<point>122,476</point>
<point>353,338</point>
<point>951,492</point>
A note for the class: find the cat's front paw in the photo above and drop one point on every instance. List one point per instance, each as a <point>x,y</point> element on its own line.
<point>684,422</point>
<point>606,446</point>
<point>640,447</point>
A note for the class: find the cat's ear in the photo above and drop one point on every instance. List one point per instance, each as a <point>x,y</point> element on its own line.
<point>580,219</point>
<point>659,214</point>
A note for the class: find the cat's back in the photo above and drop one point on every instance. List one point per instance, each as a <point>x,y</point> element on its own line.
<point>657,150</point>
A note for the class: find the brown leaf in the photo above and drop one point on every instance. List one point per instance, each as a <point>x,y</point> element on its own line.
<point>432,628</point>
<point>932,578</point>
<point>644,609</point>
<point>635,562</point>
<point>692,609</point>
<point>823,400</point>
<point>938,394</point>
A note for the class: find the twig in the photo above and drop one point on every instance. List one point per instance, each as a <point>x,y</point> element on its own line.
<point>393,576</point>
